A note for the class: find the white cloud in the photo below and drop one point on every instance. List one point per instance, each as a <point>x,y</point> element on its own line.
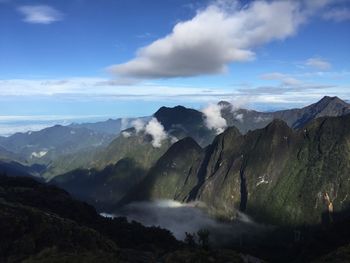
<point>40,14</point>
<point>138,125</point>
<point>213,118</point>
<point>337,14</point>
<point>215,37</point>
<point>124,123</point>
<point>156,130</point>
<point>126,134</point>
<point>318,63</point>
<point>99,87</point>
<point>284,78</point>
<point>239,117</point>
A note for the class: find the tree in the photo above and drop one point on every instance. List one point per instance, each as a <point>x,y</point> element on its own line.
<point>203,238</point>
<point>190,239</point>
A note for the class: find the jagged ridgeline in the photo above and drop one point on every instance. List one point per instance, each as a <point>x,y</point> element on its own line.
<point>276,174</point>
<point>111,171</point>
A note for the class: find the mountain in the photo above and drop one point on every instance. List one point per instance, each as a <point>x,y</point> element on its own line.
<point>276,174</point>
<point>137,146</point>
<point>169,177</point>
<point>8,155</point>
<point>102,188</point>
<point>17,169</point>
<point>246,120</point>
<point>137,152</point>
<point>113,171</point>
<point>183,122</point>
<point>110,126</point>
<point>47,144</point>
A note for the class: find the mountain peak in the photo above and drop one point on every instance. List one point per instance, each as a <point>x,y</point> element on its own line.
<point>185,144</point>
<point>224,103</point>
<point>328,99</point>
<point>278,125</point>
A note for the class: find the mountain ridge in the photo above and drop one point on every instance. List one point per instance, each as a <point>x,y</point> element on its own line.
<point>244,172</point>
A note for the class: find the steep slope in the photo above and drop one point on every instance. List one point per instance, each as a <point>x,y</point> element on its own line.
<point>137,147</point>
<point>113,171</point>
<point>102,188</point>
<point>275,174</point>
<point>39,223</point>
<point>171,177</point>
<point>280,176</point>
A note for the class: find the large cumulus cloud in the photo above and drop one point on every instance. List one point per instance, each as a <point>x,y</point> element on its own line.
<point>213,38</point>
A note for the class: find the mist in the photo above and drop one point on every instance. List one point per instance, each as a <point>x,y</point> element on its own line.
<point>191,217</point>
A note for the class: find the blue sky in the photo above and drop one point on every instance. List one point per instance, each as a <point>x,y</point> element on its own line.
<point>85,59</point>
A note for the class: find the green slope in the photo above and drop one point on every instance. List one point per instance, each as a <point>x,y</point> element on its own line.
<point>275,174</point>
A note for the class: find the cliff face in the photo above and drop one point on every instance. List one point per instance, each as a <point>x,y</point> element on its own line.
<point>274,174</point>
<point>173,176</point>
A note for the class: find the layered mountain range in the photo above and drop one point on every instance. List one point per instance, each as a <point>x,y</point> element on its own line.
<point>287,168</point>
<point>261,158</point>
<point>137,153</point>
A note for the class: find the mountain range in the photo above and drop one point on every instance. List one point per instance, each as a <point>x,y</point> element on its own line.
<point>259,146</point>
<point>288,169</point>
<point>181,123</point>
<point>275,174</point>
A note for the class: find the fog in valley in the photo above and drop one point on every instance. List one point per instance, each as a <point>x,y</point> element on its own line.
<point>191,217</point>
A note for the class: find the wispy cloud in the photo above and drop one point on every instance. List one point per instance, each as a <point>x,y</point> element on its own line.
<point>284,78</point>
<point>318,63</point>
<point>289,88</point>
<point>337,14</point>
<point>40,14</point>
<point>99,87</point>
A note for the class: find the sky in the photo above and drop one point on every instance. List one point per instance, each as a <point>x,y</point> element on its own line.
<point>84,60</point>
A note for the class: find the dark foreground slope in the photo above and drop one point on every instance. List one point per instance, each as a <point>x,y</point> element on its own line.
<point>40,223</point>
<point>275,174</point>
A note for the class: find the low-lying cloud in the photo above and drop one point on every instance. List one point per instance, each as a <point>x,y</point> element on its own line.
<point>180,218</point>
<point>213,119</point>
<point>153,128</point>
<point>138,125</point>
<point>156,130</point>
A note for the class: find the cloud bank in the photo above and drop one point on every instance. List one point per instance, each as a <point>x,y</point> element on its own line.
<point>215,37</point>
<point>40,14</point>
<point>213,118</point>
<point>180,218</point>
